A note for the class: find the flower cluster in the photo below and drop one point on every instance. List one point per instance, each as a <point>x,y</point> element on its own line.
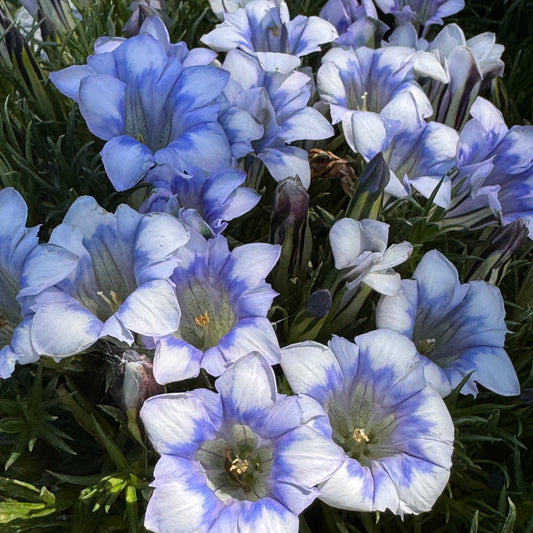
<point>236,250</point>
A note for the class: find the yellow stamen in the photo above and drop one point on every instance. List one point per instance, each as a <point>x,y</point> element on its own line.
<point>114,302</point>
<point>275,29</point>
<point>238,466</point>
<point>202,320</point>
<point>363,99</point>
<point>235,468</point>
<point>359,435</point>
<point>425,346</point>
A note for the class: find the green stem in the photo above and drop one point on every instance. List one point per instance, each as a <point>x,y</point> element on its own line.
<point>335,143</point>
<point>368,522</point>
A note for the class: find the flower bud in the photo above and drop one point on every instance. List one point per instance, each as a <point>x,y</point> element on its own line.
<point>290,228</point>
<point>133,382</point>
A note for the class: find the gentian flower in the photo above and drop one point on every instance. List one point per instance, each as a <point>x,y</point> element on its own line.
<point>16,243</point>
<point>199,198</point>
<point>362,87</point>
<point>471,65</point>
<point>265,26</point>
<point>103,274</point>
<point>395,430</point>
<point>495,172</point>
<point>424,12</point>
<point>245,459</point>
<point>153,102</point>
<point>360,251</point>
<point>277,100</point>
<point>343,13</point>
<point>459,327</point>
<point>455,69</point>
<point>224,300</point>
<point>419,154</point>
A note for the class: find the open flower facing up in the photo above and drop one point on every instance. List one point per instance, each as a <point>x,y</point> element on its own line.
<point>199,198</point>
<point>361,85</point>
<point>277,100</point>
<point>395,429</point>
<point>360,251</point>
<point>459,327</point>
<point>16,243</point>
<point>264,26</point>
<point>153,102</point>
<point>103,274</point>
<point>224,300</point>
<point>246,459</point>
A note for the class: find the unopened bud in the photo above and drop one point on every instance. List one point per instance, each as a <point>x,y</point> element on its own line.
<point>133,382</point>
<point>290,228</point>
<point>319,303</point>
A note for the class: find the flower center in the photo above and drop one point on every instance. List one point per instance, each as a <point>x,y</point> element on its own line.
<point>237,465</point>
<point>235,468</point>
<point>362,428</point>
<point>359,435</point>
<point>150,128</point>
<point>114,301</point>
<point>202,320</point>
<point>206,314</point>
<point>425,346</point>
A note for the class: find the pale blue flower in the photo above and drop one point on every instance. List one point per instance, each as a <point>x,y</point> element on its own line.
<point>199,198</point>
<point>419,154</point>
<point>360,251</point>
<point>265,26</point>
<point>459,327</point>
<point>245,459</point>
<point>343,13</point>
<point>223,299</point>
<point>365,90</point>
<point>103,274</point>
<point>471,66</point>
<point>16,243</point>
<point>395,430</point>
<point>495,171</point>
<point>277,100</point>
<point>424,12</point>
<point>153,102</point>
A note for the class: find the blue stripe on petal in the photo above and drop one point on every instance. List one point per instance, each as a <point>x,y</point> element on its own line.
<point>248,389</point>
<point>177,423</point>
<point>181,501</point>
<point>312,369</point>
<point>350,487</point>
<point>175,360</point>
<point>305,457</point>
